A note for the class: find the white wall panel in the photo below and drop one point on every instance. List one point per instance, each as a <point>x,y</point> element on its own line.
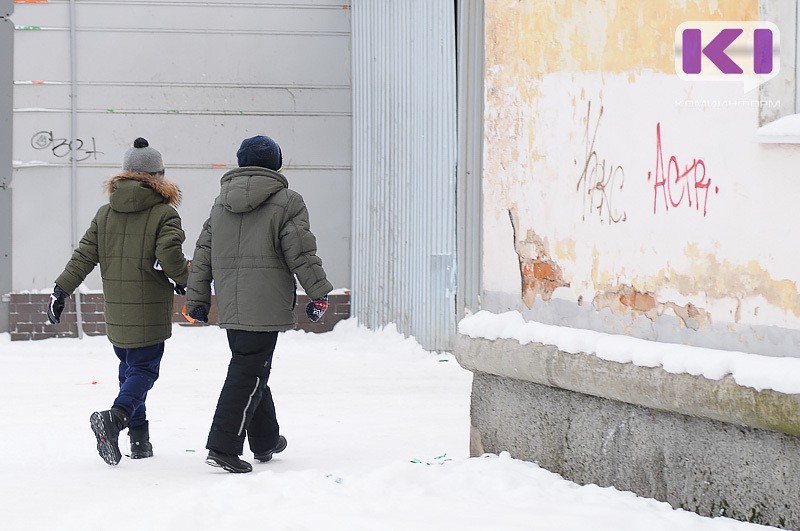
<point>196,140</point>
<point>194,78</point>
<point>190,97</point>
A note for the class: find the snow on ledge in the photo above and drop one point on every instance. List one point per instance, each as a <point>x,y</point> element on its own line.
<point>749,370</point>
<point>784,130</point>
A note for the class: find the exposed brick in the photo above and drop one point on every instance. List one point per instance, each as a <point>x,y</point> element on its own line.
<point>314,327</point>
<point>93,318</point>
<point>336,320</point>
<point>27,308</point>
<point>94,329</point>
<point>543,270</point>
<point>17,298</point>
<point>342,309</point>
<point>66,318</point>
<point>527,269</point>
<point>28,328</point>
<point>16,336</point>
<point>643,301</point>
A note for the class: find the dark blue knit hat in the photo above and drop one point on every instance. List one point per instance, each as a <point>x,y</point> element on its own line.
<point>260,151</point>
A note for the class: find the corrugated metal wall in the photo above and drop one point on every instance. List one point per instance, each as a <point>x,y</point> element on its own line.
<point>469,191</point>
<point>404,163</point>
<point>194,77</point>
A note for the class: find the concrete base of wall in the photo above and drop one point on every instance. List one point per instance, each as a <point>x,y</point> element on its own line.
<point>709,446</point>
<point>706,466</point>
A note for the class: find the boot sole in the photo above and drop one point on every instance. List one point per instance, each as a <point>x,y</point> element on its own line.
<point>225,466</point>
<point>141,455</point>
<point>106,448</point>
<point>263,458</point>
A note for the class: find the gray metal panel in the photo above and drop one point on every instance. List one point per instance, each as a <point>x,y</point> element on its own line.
<point>404,159</point>
<point>195,78</point>
<point>186,58</point>
<point>470,152</point>
<point>219,98</point>
<point>186,139</point>
<point>5,254</point>
<point>6,99</point>
<point>6,8</point>
<point>6,122</point>
<point>203,17</point>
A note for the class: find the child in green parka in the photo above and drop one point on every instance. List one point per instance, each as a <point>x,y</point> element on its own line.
<point>137,229</point>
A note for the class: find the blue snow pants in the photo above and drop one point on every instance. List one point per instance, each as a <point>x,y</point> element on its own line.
<point>138,371</point>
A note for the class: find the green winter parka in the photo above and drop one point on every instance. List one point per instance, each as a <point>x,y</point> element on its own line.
<point>256,239</point>
<point>138,226</point>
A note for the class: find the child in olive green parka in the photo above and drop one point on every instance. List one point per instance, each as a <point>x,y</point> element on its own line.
<point>137,229</point>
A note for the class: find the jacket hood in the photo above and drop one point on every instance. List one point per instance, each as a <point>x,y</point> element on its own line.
<point>244,189</point>
<point>133,192</point>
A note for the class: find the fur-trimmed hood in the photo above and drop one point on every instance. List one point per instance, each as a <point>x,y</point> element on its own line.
<point>132,192</point>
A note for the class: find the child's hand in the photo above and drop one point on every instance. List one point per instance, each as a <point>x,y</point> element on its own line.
<point>199,314</point>
<point>56,305</point>
<point>316,308</point>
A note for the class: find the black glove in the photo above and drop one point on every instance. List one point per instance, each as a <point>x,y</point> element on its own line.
<point>180,290</point>
<point>56,306</point>
<point>316,308</point>
<point>199,314</point>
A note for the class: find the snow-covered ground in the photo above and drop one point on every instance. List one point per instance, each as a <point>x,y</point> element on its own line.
<point>378,434</point>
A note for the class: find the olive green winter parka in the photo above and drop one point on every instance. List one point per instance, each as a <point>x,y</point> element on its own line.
<point>256,239</point>
<point>138,226</point>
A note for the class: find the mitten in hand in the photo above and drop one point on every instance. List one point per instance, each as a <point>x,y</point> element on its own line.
<point>56,305</point>
<point>316,308</point>
<point>199,314</point>
<point>180,290</point>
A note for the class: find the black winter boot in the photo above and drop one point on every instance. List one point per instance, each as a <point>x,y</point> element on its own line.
<point>140,442</point>
<point>228,462</point>
<point>279,447</point>
<point>106,426</point>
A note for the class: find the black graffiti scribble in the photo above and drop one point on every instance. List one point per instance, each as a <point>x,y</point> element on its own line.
<point>61,147</point>
<point>599,178</point>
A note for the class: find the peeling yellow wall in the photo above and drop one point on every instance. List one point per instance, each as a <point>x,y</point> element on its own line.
<point>716,279</point>
<point>540,37</point>
<point>527,40</point>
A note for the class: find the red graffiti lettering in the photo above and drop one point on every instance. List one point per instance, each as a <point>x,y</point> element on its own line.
<point>675,185</point>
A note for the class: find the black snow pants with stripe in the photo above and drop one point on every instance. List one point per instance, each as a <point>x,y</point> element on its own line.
<point>245,406</point>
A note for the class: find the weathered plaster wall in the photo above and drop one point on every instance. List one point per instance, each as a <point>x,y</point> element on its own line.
<point>619,197</point>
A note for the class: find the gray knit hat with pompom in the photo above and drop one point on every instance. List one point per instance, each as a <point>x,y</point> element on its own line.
<point>141,158</point>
